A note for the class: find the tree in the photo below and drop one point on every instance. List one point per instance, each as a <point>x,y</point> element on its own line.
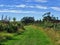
<point>14,19</point>
<point>48,14</point>
<point>27,20</point>
<point>47,17</point>
<point>2,18</point>
<point>9,19</point>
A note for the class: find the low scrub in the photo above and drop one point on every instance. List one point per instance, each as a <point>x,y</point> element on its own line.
<point>5,36</point>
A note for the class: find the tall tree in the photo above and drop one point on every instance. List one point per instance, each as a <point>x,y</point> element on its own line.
<point>47,17</point>
<point>27,20</point>
<point>14,19</point>
<point>2,17</point>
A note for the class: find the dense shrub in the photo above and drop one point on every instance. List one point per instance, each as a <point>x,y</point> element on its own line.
<point>27,20</point>
<point>11,27</point>
<point>1,27</point>
<point>5,36</point>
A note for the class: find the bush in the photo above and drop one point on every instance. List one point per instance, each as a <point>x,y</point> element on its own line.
<point>5,37</point>
<point>9,37</point>
<point>27,20</point>
<point>1,27</point>
<point>2,38</point>
<point>11,27</point>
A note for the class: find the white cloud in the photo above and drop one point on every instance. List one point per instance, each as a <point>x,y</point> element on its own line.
<point>1,5</point>
<point>55,8</point>
<point>12,11</point>
<point>36,1</point>
<point>22,5</point>
<point>18,11</point>
<point>41,0</point>
<point>41,7</point>
<point>32,6</point>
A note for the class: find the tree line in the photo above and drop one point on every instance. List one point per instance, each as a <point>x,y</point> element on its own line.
<point>14,26</point>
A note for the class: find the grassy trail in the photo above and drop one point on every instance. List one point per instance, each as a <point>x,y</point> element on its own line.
<point>32,36</point>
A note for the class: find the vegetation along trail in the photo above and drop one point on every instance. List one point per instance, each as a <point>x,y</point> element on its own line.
<point>31,36</point>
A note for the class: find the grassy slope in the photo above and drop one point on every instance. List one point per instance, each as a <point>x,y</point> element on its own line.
<point>32,36</point>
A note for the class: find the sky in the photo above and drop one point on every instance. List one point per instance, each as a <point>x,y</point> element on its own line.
<point>32,8</point>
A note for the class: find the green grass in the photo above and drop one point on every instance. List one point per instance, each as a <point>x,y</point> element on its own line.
<point>32,36</point>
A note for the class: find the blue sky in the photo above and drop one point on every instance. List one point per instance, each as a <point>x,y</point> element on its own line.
<point>33,8</point>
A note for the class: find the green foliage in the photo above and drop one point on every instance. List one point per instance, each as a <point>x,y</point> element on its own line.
<point>9,37</point>
<point>49,18</point>
<point>50,21</point>
<point>11,27</point>
<point>1,27</point>
<point>5,36</point>
<point>14,19</point>
<point>32,36</point>
<point>27,20</point>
